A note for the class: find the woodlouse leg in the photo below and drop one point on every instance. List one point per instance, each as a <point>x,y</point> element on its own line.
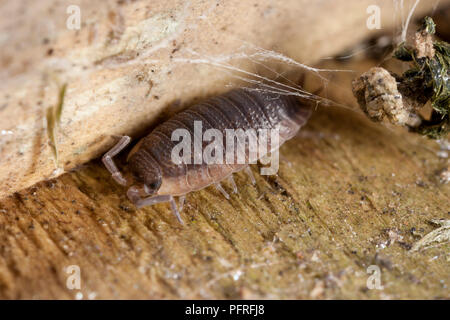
<point>181,203</point>
<point>109,163</point>
<point>143,202</point>
<point>249,172</point>
<point>139,203</point>
<point>233,184</point>
<point>175,210</point>
<point>222,190</point>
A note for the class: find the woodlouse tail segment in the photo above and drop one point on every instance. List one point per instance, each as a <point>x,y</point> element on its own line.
<point>109,163</point>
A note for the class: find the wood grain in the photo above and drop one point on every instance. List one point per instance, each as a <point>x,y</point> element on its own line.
<point>349,194</point>
<point>344,188</point>
<point>130,60</point>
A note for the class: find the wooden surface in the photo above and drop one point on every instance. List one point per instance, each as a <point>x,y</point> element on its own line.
<point>349,194</point>
<point>130,60</point>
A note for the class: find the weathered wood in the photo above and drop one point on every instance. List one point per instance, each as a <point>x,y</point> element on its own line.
<point>132,59</point>
<point>349,194</point>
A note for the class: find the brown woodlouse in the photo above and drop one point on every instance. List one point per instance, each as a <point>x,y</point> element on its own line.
<point>158,179</point>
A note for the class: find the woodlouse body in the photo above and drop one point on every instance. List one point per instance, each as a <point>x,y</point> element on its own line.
<point>159,179</point>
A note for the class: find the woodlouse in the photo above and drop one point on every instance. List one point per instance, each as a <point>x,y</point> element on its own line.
<point>158,179</point>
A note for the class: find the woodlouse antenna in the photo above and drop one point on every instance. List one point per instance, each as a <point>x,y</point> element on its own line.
<point>133,194</point>
<point>109,163</point>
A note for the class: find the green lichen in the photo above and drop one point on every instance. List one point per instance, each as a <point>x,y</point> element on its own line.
<point>428,80</point>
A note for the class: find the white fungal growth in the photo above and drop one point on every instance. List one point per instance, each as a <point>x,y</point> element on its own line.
<point>378,96</point>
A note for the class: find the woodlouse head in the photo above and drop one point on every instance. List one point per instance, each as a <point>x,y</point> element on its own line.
<point>146,174</point>
<point>141,190</point>
<point>152,187</point>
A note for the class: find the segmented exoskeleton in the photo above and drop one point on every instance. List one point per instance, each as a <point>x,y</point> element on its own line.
<point>158,179</point>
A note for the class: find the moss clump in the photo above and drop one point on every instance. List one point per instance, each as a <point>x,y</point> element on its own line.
<point>427,79</point>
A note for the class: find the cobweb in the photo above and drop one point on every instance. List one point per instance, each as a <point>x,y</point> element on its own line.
<point>270,68</point>
<point>268,79</point>
<point>260,69</point>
